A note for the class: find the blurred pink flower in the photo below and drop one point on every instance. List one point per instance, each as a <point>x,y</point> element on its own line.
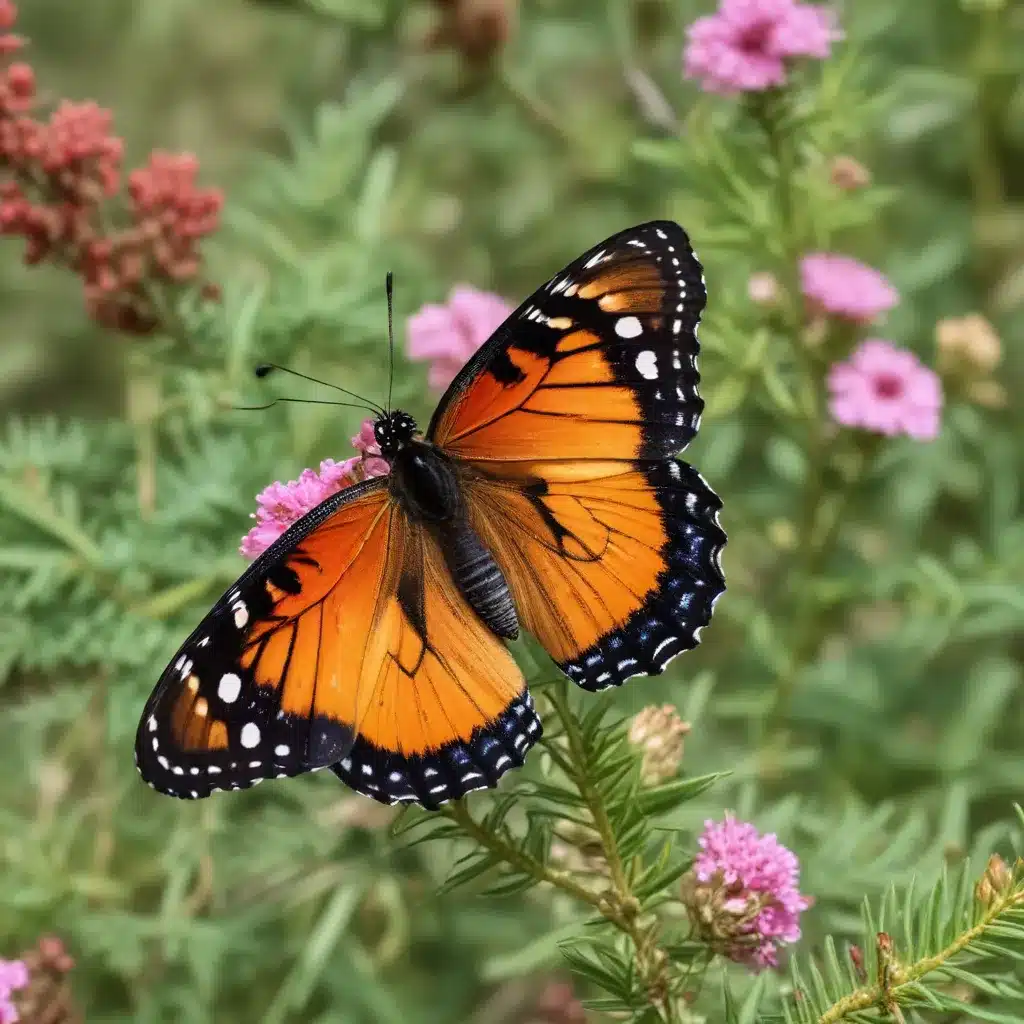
<point>846,287</point>
<point>447,336</point>
<point>887,390</point>
<point>743,892</point>
<point>744,45</point>
<point>13,976</point>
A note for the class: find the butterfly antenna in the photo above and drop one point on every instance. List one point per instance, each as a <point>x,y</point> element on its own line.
<point>389,283</point>
<point>304,401</point>
<point>265,368</point>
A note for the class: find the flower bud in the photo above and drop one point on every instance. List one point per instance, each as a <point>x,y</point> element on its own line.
<point>996,881</point>
<point>967,344</point>
<point>848,174</point>
<point>763,289</point>
<point>657,733</point>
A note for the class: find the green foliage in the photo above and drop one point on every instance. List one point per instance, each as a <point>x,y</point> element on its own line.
<point>859,692</point>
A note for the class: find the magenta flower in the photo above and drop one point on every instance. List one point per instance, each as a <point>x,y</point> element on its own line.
<point>446,336</point>
<point>846,288</point>
<point>365,442</point>
<point>745,44</point>
<point>13,976</point>
<point>886,389</point>
<point>280,505</point>
<point>742,893</point>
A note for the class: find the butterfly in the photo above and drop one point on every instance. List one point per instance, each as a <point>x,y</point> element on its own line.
<point>544,496</point>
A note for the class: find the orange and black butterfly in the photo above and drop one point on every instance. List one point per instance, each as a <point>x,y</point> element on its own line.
<point>544,496</point>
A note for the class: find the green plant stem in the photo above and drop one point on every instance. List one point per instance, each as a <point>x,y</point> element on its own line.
<point>559,699</point>
<point>651,961</point>
<point>769,111</point>
<point>987,186</point>
<point>618,906</point>
<point>458,812</point>
<point>882,993</point>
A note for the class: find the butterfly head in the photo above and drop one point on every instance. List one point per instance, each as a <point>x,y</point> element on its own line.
<point>393,431</point>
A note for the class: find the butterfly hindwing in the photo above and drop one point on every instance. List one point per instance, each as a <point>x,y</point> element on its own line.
<point>345,644</point>
<point>567,421</point>
<point>443,708</point>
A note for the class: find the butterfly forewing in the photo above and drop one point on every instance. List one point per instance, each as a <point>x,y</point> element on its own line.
<point>600,363</point>
<point>345,645</point>
<point>255,691</point>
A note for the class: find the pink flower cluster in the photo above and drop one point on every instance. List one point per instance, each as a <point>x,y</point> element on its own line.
<point>280,505</point>
<point>745,46</point>
<point>13,976</point>
<point>758,877</point>
<point>55,176</point>
<point>446,336</point>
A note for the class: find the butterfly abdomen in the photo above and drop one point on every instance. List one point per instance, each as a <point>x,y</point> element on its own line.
<point>478,578</point>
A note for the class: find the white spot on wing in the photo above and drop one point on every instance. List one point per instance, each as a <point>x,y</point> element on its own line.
<point>647,365</point>
<point>282,750</point>
<point>250,735</point>
<point>628,327</point>
<point>594,260</point>
<point>229,687</point>
<point>662,646</point>
<point>241,614</point>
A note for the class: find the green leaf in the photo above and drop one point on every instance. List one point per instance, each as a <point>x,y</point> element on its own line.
<point>662,799</point>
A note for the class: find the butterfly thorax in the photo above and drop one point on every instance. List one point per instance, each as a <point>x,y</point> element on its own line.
<point>424,482</point>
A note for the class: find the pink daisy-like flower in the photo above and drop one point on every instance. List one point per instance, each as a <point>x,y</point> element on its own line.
<point>446,336</point>
<point>745,44</point>
<point>742,893</point>
<point>887,390</point>
<point>845,287</point>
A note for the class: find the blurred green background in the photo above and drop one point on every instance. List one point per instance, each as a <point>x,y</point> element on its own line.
<point>347,144</point>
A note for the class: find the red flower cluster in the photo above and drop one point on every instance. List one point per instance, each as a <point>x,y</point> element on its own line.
<point>55,177</point>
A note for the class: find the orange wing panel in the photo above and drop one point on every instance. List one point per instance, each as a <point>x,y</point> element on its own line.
<point>614,574</point>
<point>578,560</point>
<point>599,364</point>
